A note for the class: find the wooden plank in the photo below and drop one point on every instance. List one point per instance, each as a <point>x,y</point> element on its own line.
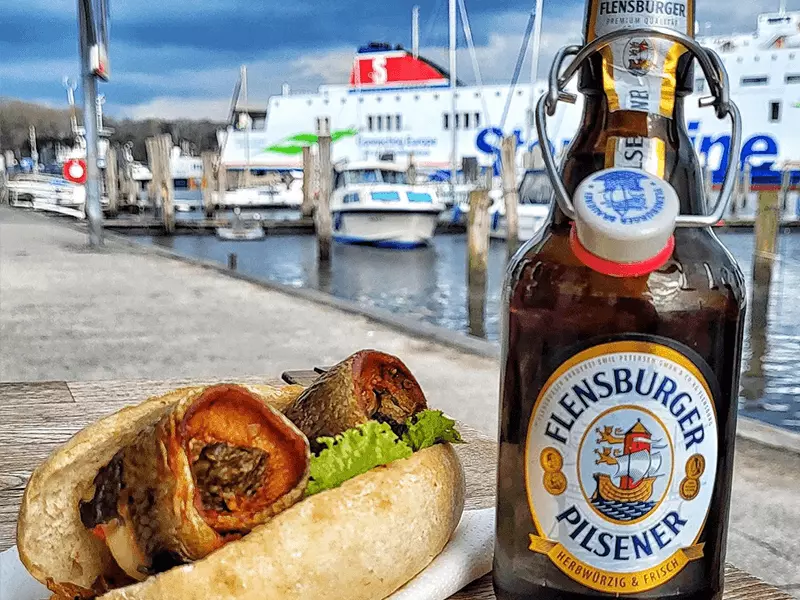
<point>132,392</point>
<point>738,586</point>
<point>19,394</point>
<point>37,418</point>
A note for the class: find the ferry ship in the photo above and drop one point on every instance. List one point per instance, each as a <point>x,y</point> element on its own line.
<point>400,104</point>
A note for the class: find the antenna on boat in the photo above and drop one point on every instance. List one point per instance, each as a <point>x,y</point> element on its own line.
<point>783,7</point>
<point>453,23</point>
<point>535,53</point>
<point>415,31</point>
<point>247,122</point>
<point>71,85</point>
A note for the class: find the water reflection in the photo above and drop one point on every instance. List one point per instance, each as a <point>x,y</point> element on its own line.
<point>431,284</point>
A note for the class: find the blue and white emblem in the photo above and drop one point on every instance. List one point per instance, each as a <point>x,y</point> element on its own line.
<point>626,196</point>
<point>625,215</point>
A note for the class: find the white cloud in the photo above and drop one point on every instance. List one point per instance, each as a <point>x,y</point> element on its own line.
<point>210,88</point>
<point>167,107</point>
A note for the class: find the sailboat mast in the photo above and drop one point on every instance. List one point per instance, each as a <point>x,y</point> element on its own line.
<point>783,7</point>
<point>415,31</point>
<point>535,53</point>
<point>243,76</point>
<point>454,106</point>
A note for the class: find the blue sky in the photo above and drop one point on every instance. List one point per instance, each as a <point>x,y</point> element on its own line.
<point>173,58</point>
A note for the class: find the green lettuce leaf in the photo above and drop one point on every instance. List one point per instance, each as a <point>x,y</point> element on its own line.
<point>352,453</point>
<point>430,427</point>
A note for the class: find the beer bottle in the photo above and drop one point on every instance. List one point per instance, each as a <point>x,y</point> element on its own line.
<point>621,346</point>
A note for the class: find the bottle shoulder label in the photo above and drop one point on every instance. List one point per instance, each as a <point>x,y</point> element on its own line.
<point>621,460</point>
<point>639,73</point>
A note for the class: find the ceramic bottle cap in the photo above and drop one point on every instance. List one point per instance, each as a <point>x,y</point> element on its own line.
<point>624,221</point>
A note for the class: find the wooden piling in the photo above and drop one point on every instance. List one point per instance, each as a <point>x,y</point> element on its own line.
<point>112,181</point>
<point>162,190</point>
<point>766,231</point>
<point>127,195</point>
<point>508,156</point>
<point>478,256</point>
<point>322,214</point>
<point>209,181</point>
<point>411,174</point>
<point>309,181</point>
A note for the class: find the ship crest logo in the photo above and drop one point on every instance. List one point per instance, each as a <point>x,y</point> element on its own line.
<point>640,56</point>
<point>630,463</point>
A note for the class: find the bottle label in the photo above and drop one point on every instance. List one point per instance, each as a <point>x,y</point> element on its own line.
<point>639,73</point>
<point>646,154</point>
<point>621,459</point>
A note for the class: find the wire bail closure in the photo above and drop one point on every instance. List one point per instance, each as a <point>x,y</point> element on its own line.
<point>716,75</point>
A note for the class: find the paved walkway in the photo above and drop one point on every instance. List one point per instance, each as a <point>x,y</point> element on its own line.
<point>124,313</point>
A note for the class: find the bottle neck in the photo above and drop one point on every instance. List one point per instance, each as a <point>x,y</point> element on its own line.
<point>651,142</point>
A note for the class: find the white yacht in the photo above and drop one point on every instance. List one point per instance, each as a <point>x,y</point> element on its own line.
<point>533,209</point>
<point>48,193</point>
<point>373,203</point>
<point>400,103</point>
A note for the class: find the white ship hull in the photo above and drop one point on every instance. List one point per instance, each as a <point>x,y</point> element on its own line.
<point>385,229</point>
<point>369,118</point>
<point>530,220</point>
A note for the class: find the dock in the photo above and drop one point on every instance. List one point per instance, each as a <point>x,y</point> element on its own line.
<point>148,223</point>
<point>132,312</point>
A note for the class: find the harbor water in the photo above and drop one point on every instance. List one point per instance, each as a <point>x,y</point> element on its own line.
<point>430,284</point>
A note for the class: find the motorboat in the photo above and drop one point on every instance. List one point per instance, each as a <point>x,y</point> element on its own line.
<point>533,209</point>
<point>373,203</point>
<point>241,230</point>
<point>48,193</point>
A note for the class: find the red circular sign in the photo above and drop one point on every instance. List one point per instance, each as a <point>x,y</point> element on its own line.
<point>75,170</point>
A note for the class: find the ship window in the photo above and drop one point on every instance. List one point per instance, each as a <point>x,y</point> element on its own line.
<point>446,121</point>
<point>370,123</point>
<point>458,121</point>
<point>379,123</point>
<point>398,123</point>
<point>466,120</point>
<point>477,94</point>
<point>775,112</point>
<point>793,78</point>
<point>388,123</point>
<point>750,81</point>
<point>497,94</point>
<point>477,120</point>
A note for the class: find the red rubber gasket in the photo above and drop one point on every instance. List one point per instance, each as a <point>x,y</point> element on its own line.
<point>615,269</point>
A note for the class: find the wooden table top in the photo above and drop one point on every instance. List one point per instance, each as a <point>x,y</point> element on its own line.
<point>35,418</point>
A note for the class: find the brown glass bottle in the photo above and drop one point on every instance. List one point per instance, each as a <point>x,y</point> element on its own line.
<point>557,307</point>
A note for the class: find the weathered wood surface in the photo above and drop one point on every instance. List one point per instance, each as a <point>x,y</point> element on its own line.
<point>510,193</point>
<point>322,213</point>
<point>35,418</point>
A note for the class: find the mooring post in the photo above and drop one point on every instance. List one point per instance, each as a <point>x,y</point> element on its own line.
<point>478,256</point>
<point>322,214</point>
<point>166,184</point>
<point>233,261</point>
<point>112,180</point>
<point>508,156</point>
<point>766,231</point>
<point>309,179</point>
<point>209,181</point>
<point>411,174</point>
